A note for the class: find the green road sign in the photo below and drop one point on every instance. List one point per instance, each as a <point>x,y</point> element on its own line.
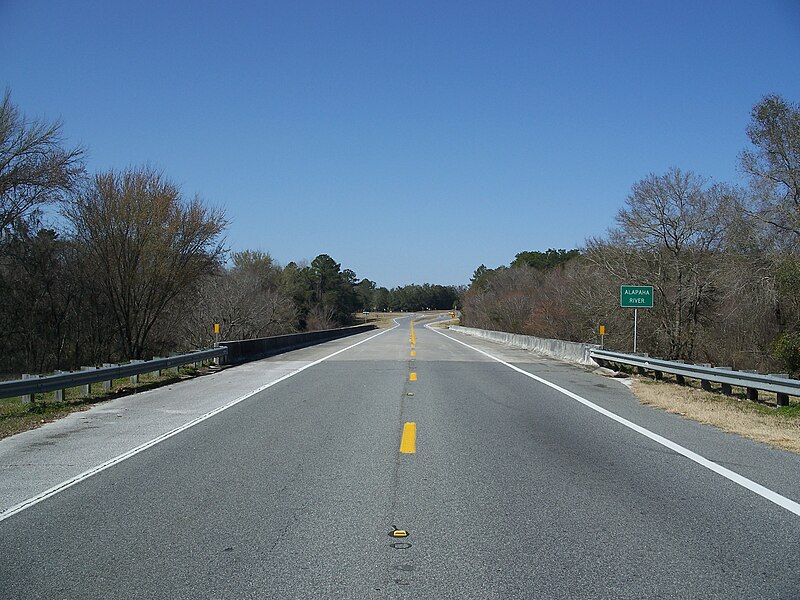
<point>636,296</point>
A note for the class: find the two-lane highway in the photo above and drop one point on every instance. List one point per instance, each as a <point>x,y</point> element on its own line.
<point>506,486</point>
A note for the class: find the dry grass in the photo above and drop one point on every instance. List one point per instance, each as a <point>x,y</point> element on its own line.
<point>446,324</point>
<point>429,316</point>
<point>384,320</point>
<point>381,320</point>
<point>779,427</point>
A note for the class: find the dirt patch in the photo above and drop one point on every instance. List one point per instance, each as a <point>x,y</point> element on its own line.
<point>779,428</point>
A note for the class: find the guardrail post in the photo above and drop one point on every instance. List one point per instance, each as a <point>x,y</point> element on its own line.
<point>726,387</point>
<point>752,393</point>
<point>158,372</point>
<point>28,398</point>
<point>705,384</point>
<point>135,378</point>
<point>659,375</point>
<point>680,379</point>
<point>60,395</point>
<point>107,385</point>
<point>86,389</point>
<point>783,399</point>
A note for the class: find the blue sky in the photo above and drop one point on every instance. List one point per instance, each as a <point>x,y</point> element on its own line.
<point>411,141</point>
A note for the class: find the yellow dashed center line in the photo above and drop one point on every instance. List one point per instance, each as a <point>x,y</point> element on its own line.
<point>408,444</point>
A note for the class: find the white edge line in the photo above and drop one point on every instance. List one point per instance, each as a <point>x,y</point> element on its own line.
<point>17,508</point>
<point>733,476</point>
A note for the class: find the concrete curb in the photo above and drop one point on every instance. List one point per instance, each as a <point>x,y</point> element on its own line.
<point>573,352</point>
<point>240,351</point>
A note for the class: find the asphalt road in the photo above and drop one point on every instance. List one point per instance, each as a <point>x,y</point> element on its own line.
<point>513,489</point>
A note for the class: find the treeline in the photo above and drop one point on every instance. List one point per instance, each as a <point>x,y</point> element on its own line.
<point>417,297</point>
<point>724,261</point>
<point>134,268</point>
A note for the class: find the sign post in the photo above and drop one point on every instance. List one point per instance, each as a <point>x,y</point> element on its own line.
<point>602,335</point>
<point>635,297</point>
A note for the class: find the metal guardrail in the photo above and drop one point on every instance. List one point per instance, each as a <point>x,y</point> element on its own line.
<point>752,382</point>
<point>62,381</point>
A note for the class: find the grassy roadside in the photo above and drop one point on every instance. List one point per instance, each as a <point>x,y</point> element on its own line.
<point>382,320</point>
<point>763,422</point>
<point>428,316</point>
<point>445,324</point>
<point>16,417</point>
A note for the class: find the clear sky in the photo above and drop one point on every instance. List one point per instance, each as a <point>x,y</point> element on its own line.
<point>411,141</point>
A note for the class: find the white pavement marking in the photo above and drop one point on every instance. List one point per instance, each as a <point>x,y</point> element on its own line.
<point>754,487</point>
<point>17,508</point>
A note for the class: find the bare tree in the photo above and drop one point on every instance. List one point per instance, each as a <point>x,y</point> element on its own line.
<point>147,245</point>
<point>504,299</point>
<point>247,301</point>
<point>774,163</point>
<point>256,304</point>
<point>35,169</point>
<point>666,236</point>
<point>320,317</point>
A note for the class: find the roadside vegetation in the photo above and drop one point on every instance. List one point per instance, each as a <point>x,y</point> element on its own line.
<point>118,265</point>
<point>724,262</point>
<point>779,427</point>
